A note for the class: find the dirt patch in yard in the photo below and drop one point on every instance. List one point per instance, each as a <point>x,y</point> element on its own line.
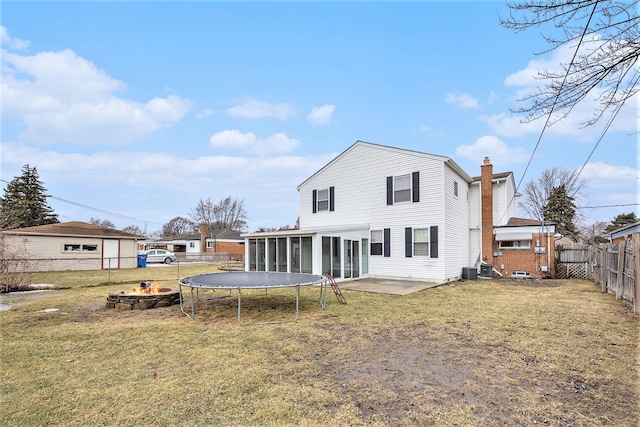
<point>400,379</point>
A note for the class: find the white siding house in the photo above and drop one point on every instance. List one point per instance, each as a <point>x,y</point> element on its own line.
<point>72,246</point>
<point>379,211</point>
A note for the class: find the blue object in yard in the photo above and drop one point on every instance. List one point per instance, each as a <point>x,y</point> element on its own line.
<point>142,260</point>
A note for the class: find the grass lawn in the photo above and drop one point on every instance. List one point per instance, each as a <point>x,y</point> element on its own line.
<point>557,353</point>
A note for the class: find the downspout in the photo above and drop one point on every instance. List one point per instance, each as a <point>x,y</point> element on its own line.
<point>549,254</point>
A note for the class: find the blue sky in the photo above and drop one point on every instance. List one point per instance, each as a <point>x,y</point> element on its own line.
<point>142,109</point>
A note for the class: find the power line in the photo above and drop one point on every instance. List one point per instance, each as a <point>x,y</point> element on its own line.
<point>103,211</point>
<point>608,206</point>
<point>553,106</point>
<point>606,128</point>
<point>98,209</point>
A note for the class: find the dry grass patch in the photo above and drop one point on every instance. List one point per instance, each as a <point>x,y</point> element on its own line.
<point>472,353</point>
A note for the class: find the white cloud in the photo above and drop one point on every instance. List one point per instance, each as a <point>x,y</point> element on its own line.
<point>254,109</point>
<point>62,97</point>
<point>234,140</point>
<point>321,115</point>
<point>11,42</point>
<point>267,184</point>
<point>603,175</point>
<point>205,113</point>
<point>463,101</point>
<point>494,148</point>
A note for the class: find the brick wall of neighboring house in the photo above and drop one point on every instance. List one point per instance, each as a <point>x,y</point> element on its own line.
<point>234,250</point>
<point>526,259</point>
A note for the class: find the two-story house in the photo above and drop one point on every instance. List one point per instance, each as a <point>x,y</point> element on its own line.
<point>381,211</point>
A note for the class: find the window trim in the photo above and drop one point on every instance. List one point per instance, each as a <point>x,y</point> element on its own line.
<point>322,203</point>
<point>516,244</point>
<point>316,200</point>
<point>413,189</point>
<point>431,242</point>
<point>378,242</point>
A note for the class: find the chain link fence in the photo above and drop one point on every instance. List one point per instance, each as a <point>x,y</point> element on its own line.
<point>41,273</point>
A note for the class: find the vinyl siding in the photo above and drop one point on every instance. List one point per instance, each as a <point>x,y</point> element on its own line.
<point>51,248</point>
<point>455,240</point>
<point>475,224</point>
<point>359,178</point>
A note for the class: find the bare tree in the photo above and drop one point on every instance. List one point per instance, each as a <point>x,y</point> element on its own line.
<point>227,213</point>
<point>536,194</point>
<point>178,226</point>
<point>133,229</point>
<point>605,35</point>
<point>102,222</point>
<point>592,233</point>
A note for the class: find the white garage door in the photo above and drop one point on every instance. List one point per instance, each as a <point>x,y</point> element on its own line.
<point>110,254</point>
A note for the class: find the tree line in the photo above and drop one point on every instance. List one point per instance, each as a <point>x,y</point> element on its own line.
<point>24,204</point>
<point>552,197</point>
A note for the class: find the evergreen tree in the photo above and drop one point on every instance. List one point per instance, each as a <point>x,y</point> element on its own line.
<point>24,203</point>
<point>561,209</point>
<point>620,221</point>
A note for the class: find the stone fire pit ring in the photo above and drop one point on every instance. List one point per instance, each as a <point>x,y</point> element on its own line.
<point>143,298</point>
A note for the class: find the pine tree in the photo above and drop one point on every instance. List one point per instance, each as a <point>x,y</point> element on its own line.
<point>620,221</point>
<point>561,209</point>
<point>24,203</point>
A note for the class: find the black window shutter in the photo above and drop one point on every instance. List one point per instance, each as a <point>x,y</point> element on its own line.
<point>433,241</point>
<point>408,242</point>
<point>331,198</point>
<point>416,187</point>
<point>389,190</point>
<point>387,242</point>
<point>315,201</point>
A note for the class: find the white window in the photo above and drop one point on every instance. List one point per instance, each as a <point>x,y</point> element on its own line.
<point>420,242</point>
<point>209,244</point>
<point>402,188</point>
<point>71,247</point>
<point>455,188</point>
<point>90,248</point>
<point>192,244</point>
<point>376,242</point>
<point>515,244</point>
<point>323,200</point>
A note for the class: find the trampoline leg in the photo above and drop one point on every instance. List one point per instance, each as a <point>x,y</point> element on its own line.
<point>323,294</point>
<point>239,304</point>
<point>182,303</point>
<point>297,299</point>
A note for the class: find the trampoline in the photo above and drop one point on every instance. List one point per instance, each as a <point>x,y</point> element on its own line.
<point>248,280</point>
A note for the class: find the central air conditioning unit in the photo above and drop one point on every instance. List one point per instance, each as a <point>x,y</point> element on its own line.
<point>485,270</point>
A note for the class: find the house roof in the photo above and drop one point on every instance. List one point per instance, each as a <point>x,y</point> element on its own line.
<point>626,230</point>
<point>220,233</point>
<point>358,143</point>
<point>73,228</point>
<point>518,222</point>
<point>496,176</point>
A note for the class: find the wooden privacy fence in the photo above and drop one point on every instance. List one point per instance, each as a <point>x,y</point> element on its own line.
<point>614,267</point>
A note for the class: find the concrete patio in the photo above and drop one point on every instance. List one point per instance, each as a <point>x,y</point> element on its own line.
<point>387,286</point>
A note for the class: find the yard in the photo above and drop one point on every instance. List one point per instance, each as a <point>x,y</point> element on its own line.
<point>472,353</point>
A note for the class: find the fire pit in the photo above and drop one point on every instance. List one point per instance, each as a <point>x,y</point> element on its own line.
<point>143,298</point>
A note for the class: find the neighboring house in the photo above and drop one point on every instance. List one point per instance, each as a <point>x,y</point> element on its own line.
<point>627,232</point>
<point>73,246</point>
<point>206,241</point>
<point>379,211</point>
<point>520,248</point>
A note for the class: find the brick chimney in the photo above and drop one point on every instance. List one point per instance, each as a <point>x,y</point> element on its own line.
<point>486,200</point>
<point>203,237</point>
